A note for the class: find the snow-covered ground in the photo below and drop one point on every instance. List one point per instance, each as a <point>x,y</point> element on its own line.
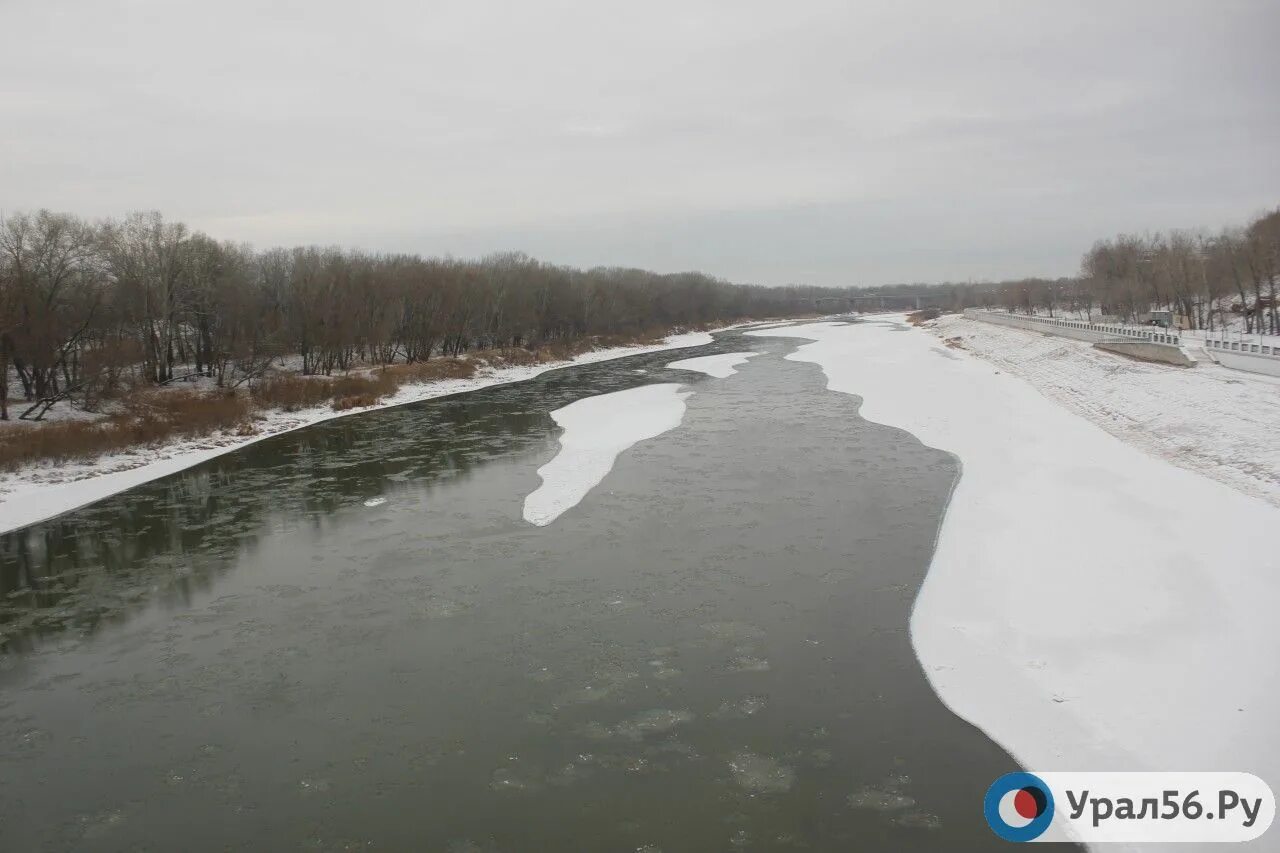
<point>38,492</point>
<point>596,430</point>
<point>1222,423</point>
<point>1089,606</point>
<point>720,366</point>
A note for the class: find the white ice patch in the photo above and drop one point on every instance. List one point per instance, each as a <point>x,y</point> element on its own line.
<point>596,430</point>
<point>1089,606</point>
<point>720,366</point>
<point>372,502</point>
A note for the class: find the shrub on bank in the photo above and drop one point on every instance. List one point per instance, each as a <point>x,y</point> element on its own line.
<point>149,417</point>
<point>146,420</point>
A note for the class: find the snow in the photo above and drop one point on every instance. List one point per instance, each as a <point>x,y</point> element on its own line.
<point>720,366</point>
<point>1217,421</point>
<point>58,412</point>
<point>596,430</point>
<point>1089,606</point>
<point>39,492</point>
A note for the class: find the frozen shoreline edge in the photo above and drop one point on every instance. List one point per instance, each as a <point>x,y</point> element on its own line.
<point>1006,625</point>
<point>26,498</point>
<point>595,431</point>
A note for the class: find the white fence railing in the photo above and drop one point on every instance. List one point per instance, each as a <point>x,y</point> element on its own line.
<point>1252,353</point>
<point>1252,347</point>
<point>1234,340</point>
<point>1078,329</point>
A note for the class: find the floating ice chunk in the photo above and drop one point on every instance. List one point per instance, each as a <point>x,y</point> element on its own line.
<point>656,721</point>
<point>568,775</point>
<point>605,682</point>
<point>719,366</point>
<point>371,502</point>
<point>596,430</point>
<point>748,663</point>
<point>443,608</point>
<point>761,774</point>
<point>918,820</point>
<point>744,707</point>
<point>639,726</point>
<point>511,778</point>
<point>733,631</point>
<point>891,795</point>
<point>97,825</point>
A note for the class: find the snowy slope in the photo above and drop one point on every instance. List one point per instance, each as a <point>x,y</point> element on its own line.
<point>1222,423</point>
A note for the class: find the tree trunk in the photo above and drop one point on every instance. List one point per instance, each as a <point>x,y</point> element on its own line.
<point>4,383</point>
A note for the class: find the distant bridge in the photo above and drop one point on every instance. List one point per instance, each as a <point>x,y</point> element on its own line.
<point>878,302</point>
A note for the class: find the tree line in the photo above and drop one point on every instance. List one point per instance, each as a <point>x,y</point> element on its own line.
<point>87,308</point>
<point>1209,280</point>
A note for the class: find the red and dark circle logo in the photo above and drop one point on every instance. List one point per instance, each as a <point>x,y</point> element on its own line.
<point>1019,807</point>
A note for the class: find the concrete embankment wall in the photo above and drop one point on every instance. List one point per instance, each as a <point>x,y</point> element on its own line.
<point>1245,355</point>
<point>1260,354</point>
<point>1246,361</point>
<point>1145,351</point>
<point>1134,342</point>
<point>1080,330</point>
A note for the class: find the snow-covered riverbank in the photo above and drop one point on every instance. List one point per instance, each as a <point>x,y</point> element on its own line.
<point>1089,606</point>
<point>43,491</point>
<point>1219,422</point>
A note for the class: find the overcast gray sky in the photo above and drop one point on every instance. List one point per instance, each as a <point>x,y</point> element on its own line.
<point>824,142</point>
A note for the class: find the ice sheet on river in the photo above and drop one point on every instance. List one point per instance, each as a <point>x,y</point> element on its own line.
<point>1089,606</point>
<point>720,366</point>
<point>596,430</point>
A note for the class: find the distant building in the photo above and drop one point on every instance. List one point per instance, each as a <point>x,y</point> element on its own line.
<point>1156,318</point>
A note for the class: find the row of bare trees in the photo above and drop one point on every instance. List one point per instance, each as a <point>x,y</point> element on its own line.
<point>87,308</point>
<point>1208,281</point>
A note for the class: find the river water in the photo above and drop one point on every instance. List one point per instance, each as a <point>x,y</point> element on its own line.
<point>348,638</point>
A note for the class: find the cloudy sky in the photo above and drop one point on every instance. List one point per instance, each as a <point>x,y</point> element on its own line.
<point>825,142</point>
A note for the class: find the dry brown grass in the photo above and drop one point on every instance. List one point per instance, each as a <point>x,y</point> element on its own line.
<point>291,393</point>
<point>509,357</point>
<point>561,350</point>
<point>355,390</point>
<point>430,371</point>
<point>356,401</point>
<point>184,412</point>
<point>149,417</point>
<point>147,420</point>
<point>567,349</point>
<point>922,316</point>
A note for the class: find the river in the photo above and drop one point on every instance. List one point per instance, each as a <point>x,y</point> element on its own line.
<point>348,637</point>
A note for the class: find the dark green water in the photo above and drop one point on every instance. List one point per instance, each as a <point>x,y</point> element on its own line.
<point>709,653</point>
